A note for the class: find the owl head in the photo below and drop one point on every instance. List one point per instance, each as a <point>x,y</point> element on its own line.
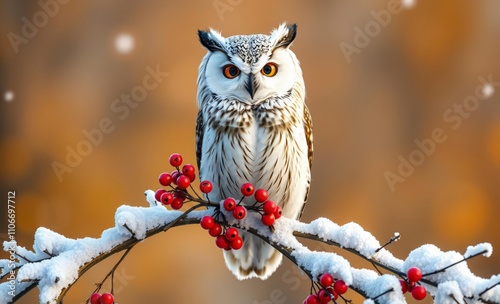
<point>249,68</point>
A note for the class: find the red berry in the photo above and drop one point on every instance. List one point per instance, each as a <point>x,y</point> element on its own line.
<point>206,186</point>
<point>95,298</point>
<point>269,207</point>
<point>239,212</point>
<point>175,174</point>
<point>192,177</point>
<point>188,169</point>
<point>158,194</point>
<point>419,292</point>
<point>414,274</point>
<point>278,212</point>
<point>107,298</point>
<point>261,195</point>
<point>229,204</point>
<point>247,189</point>
<point>175,160</point>
<point>221,242</point>
<point>177,203</point>
<point>268,219</point>
<point>166,198</point>
<point>231,234</point>
<point>404,286</point>
<point>183,181</point>
<point>237,243</point>
<point>165,179</point>
<point>340,287</point>
<point>312,299</point>
<point>324,296</point>
<point>216,230</point>
<point>326,280</point>
<point>207,222</point>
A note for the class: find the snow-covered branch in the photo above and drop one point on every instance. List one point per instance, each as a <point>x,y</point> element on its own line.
<point>55,263</point>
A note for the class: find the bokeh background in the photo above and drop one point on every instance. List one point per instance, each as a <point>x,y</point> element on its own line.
<point>366,112</point>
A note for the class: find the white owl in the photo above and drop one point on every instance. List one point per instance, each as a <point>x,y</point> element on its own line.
<point>253,126</point>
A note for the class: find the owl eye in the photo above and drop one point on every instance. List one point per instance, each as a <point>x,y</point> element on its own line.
<point>230,71</point>
<point>269,70</point>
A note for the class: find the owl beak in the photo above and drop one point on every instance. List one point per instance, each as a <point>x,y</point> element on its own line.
<point>249,85</point>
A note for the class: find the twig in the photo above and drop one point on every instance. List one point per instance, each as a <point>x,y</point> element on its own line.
<point>453,264</point>
<point>112,272</point>
<point>492,286</point>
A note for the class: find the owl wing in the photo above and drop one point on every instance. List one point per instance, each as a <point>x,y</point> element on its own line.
<point>309,135</point>
<point>307,120</point>
<point>200,126</point>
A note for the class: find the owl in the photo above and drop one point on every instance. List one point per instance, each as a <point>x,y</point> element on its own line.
<point>253,126</point>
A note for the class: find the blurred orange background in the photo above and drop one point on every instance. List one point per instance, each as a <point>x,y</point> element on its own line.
<point>425,61</point>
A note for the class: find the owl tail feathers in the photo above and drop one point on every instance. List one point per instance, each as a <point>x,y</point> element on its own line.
<point>256,259</point>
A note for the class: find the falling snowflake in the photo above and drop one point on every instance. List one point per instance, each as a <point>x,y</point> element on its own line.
<point>408,3</point>
<point>488,90</point>
<point>124,43</point>
<point>8,96</point>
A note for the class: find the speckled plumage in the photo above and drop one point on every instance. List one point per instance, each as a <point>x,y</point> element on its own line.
<point>254,128</point>
<point>248,48</point>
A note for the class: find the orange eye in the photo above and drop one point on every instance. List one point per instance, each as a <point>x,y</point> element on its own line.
<point>230,71</point>
<point>269,70</point>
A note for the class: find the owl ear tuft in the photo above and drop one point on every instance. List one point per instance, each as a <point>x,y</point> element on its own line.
<point>212,40</point>
<point>284,35</point>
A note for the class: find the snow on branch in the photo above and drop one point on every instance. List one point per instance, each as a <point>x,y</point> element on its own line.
<point>55,263</point>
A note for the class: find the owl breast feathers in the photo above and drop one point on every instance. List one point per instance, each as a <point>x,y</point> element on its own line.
<point>253,126</point>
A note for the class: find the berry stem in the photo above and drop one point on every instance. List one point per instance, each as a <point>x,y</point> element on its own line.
<point>197,195</point>
<point>218,213</point>
<point>350,301</point>
<point>111,273</point>
<point>113,282</point>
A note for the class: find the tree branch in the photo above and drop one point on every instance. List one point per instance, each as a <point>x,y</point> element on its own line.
<point>134,224</point>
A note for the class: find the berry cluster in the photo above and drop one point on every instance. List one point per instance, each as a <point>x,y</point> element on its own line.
<point>226,238</point>
<point>414,275</point>
<point>239,211</point>
<point>329,291</point>
<point>105,298</point>
<point>179,180</point>
<point>268,209</point>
